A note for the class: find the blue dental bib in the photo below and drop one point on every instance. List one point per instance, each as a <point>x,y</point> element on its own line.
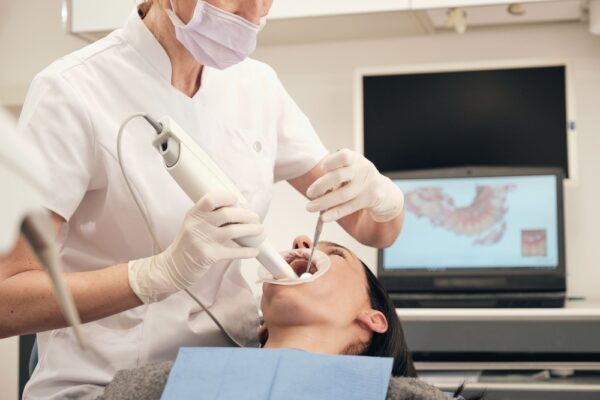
<point>257,374</point>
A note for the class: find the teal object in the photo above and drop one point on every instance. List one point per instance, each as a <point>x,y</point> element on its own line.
<point>273,374</point>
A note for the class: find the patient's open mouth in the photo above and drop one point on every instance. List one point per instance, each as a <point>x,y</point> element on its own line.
<point>299,263</point>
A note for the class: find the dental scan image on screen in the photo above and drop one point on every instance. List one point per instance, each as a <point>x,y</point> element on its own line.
<point>495,222</point>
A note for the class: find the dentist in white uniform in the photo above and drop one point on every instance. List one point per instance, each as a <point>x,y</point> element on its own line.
<point>187,59</point>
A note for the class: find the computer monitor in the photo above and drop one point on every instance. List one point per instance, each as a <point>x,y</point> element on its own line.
<point>436,116</point>
<point>478,230</point>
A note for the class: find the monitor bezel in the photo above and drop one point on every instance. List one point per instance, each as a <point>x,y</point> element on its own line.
<point>485,279</point>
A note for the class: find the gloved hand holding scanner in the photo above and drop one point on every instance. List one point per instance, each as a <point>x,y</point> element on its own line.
<point>204,239</point>
<point>219,217</point>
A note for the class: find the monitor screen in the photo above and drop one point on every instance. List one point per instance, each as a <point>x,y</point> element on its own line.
<point>489,222</point>
<point>497,118</point>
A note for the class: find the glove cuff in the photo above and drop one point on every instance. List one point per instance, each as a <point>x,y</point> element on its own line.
<point>148,281</point>
<point>135,271</point>
<point>391,204</point>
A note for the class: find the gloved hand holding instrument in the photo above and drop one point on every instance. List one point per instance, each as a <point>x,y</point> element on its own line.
<point>351,183</point>
<point>204,239</point>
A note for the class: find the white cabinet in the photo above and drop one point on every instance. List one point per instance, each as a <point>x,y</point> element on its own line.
<point>428,4</point>
<point>93,18</point>
<point>321,8</point>
<point>537,12</point>
<point>87,16</point>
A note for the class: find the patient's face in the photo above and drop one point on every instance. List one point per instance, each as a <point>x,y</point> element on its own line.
<point>335,299</point>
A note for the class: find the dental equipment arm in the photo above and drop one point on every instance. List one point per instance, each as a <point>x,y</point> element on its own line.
<point>21,211</point>
<point>197,174</point>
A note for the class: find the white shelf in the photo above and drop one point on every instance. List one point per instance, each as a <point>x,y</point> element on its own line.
<point>434,367</point>
<point>574,310</point>
<point>525,387</point>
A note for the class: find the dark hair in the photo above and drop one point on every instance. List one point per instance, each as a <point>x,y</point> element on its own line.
<point>391,343</point>
<point>459,393</point>
<point>144,8</point>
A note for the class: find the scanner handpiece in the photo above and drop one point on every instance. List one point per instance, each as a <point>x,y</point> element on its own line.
<point>197,174</point>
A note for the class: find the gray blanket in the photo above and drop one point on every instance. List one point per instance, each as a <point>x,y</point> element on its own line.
<point>149,382</point>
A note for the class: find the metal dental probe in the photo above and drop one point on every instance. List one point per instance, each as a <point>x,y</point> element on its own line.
<point>318,230</point>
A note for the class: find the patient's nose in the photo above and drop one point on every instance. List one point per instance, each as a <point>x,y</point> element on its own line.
<point>302,242</point>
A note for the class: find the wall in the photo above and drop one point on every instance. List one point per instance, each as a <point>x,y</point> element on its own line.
<point>320,78</point>
<point>9,373</point>
<point>31,37</point>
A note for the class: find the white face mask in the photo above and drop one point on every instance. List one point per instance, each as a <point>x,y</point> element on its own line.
<point>216,38</point>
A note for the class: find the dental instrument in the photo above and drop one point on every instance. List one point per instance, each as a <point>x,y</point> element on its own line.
<point>38,231</point>
<point>22,212</point>
<point>197,174</point>
<point>316,237</point>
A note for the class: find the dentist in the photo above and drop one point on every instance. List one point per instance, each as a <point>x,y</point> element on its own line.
<point>187,59</point>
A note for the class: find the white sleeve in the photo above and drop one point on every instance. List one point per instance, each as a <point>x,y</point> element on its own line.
<point>299,148</point>
<point>54,120</point>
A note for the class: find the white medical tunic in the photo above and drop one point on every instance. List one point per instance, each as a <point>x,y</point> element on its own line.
<point>242,117</point>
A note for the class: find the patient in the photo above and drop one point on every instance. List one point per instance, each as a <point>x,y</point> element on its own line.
<point>345,312</point>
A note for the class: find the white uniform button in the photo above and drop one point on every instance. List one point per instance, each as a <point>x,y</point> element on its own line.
<point>257,146</point>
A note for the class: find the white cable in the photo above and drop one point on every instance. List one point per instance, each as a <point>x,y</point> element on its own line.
<point>156,244</point>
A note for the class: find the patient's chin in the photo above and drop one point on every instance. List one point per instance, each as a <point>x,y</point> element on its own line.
<point>280,304</point>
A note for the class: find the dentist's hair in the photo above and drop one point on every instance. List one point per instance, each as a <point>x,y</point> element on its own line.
<point>391,343</point>
<point>144,7</point>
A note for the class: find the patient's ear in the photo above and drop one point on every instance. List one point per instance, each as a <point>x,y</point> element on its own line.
<point>373,320</point>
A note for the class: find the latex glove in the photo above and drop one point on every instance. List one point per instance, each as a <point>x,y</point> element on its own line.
<point>204,239</point>
<point>355,184</point>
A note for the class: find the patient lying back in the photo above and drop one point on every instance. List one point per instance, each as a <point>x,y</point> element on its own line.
<point>345,312</point>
